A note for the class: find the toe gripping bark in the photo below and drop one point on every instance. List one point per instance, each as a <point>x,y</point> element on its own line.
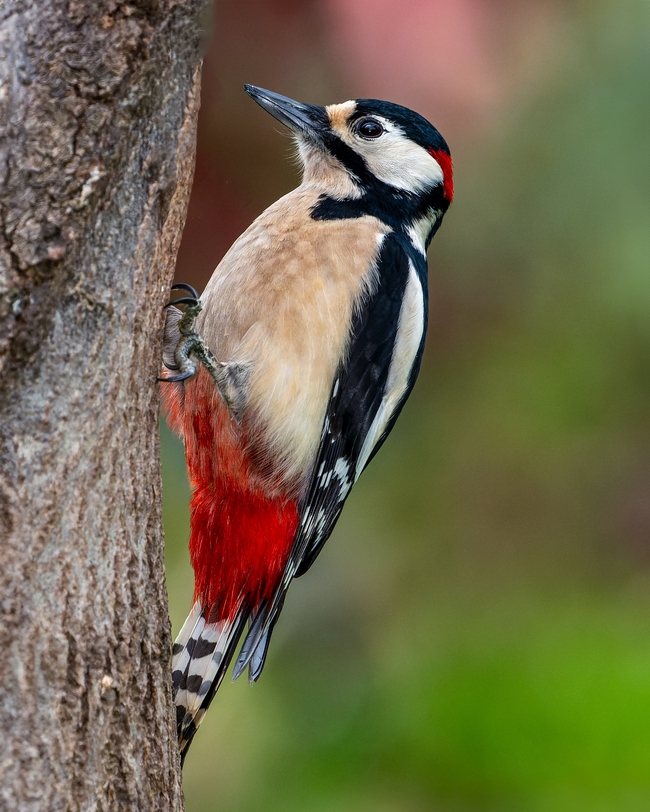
<point>185,350</point>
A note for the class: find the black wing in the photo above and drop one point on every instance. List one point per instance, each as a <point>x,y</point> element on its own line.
<point>355,399</point>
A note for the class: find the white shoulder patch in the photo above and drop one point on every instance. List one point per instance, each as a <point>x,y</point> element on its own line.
<point>407,343</point>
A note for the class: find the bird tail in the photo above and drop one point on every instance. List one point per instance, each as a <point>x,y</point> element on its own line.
<point>201,655</point>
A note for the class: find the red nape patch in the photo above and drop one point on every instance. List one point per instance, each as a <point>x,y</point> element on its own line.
<point>444,159</point>
<point>239,545</point>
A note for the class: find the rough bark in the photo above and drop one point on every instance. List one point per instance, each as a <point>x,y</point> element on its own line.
<point>98,105</point>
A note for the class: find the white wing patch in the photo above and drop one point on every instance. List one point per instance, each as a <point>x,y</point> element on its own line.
<point>409,336</point>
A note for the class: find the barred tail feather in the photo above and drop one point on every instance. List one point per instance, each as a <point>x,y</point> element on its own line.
<point>201,656</point>
<point>182,650</point>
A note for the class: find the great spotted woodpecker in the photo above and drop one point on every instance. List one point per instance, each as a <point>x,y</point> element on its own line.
<point>318,315</point>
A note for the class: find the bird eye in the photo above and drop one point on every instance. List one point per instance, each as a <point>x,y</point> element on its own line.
<point>369,128</point>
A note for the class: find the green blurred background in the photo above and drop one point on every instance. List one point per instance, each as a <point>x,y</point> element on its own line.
<point>476,634</point>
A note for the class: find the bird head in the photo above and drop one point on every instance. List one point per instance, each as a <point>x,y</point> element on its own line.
<point>368,147</point>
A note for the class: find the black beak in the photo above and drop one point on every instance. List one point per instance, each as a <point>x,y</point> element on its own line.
<point>302,119</point>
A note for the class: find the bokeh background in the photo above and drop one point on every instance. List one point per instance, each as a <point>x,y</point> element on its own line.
<point>476,634</point>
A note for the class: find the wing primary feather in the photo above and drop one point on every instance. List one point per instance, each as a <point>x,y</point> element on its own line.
<point>256,663</point>
<point>258,658</point>
<point>251,641</point>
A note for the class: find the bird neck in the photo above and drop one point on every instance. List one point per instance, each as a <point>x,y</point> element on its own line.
<point>415,216</point>
<point>325,173</point>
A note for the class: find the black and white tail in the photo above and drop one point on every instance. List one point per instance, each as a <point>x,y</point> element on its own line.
<point>200,658</point>
<point>201,655</point>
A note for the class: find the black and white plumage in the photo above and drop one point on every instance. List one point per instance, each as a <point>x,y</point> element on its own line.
<point>323,301</point>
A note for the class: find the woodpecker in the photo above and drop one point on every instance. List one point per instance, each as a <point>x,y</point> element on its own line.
<point>292,368</point>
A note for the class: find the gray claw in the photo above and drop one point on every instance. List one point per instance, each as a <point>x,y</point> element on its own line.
<point>185,349</point>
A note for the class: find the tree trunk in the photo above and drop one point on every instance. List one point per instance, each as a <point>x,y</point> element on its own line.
<point>98,106</point>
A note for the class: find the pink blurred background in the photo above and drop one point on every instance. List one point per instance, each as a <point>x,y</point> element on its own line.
<point>460,63</point>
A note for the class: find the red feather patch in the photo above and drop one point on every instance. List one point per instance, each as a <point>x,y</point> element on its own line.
<point>444,159</point>
<point>239,545</point>
<point>240,532</point>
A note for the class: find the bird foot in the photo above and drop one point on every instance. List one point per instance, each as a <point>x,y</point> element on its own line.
<point>190,350</point>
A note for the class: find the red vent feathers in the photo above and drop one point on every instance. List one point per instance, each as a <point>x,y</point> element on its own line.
<point>240,538</point>
<point>239,544</point>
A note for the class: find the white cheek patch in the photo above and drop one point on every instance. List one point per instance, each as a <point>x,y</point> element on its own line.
<point>400,162</point>
<point>393,157</point>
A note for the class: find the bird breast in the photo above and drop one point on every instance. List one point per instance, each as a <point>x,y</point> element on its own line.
<point>281,302</point>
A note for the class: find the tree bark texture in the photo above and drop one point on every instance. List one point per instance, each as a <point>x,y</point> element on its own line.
<point>98,106</point>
